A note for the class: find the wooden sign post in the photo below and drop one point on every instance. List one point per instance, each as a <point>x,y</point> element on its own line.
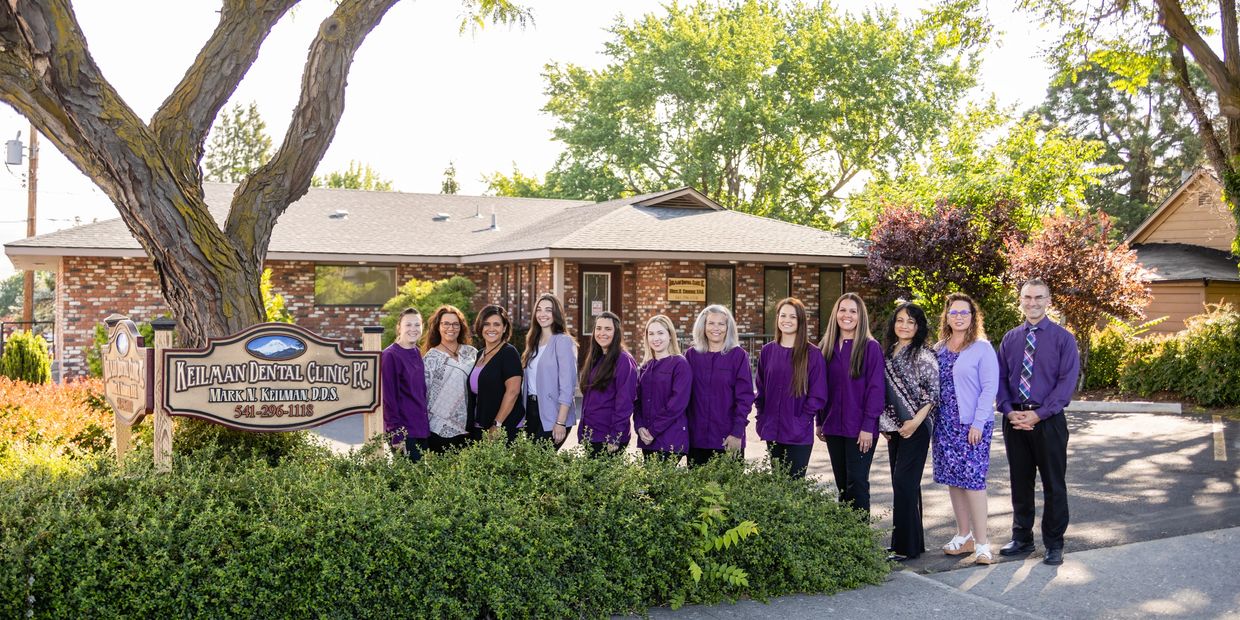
<point>126,379</point>
<point>372,423</point>
<point>163,422</point>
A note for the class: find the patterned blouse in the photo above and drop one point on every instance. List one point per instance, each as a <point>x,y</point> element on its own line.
<point>447,380</point>
<point>920,373</point>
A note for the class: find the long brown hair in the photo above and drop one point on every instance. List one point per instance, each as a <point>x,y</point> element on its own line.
<point>861,339</point>
<point>606,360</point>
<point>800,346</point>
<point>977,329</point>
<point>433,337</point>
<point>534,336</point>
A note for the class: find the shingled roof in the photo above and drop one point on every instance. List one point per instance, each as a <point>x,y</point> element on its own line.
<point>1171,262</point>
<point>349,225</point>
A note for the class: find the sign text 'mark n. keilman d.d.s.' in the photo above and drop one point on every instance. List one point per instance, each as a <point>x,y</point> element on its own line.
<point>270,377</point>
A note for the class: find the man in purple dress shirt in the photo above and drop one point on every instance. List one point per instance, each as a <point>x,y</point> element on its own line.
<point>1038,369</point>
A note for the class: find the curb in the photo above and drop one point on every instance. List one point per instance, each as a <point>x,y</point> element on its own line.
<point>1106,406</point>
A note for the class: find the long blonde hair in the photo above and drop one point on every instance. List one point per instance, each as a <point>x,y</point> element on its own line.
<point>861,339</point>
<point>673,347</point>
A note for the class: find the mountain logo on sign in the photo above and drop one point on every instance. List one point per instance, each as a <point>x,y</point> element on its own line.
<point>275,347</point>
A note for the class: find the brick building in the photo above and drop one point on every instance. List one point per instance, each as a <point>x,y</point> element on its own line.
<point>337,255</point>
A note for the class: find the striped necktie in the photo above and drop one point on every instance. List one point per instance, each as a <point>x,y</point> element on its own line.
<point>1026,366</point>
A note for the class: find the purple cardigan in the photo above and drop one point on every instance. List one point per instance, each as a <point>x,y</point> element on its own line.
<point>853,405</point>
<point>404,394</point>
<point>556,377</point>
<point>605,414</point>
<point>976,374</point>
<point>782,417</point>
<point>721,398</point>
<point>663,388</point>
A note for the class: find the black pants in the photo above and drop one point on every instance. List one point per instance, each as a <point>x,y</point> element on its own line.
<point>663,455</point>
<point>600,448</point>
<point>701,456</point>
<point>533,424</point>
<point>414,447</point>
<point>908,463</point>
<point>443,444</point>
<point>794,458</point>
<point>851,467</point>
<point>1043,450</point>
<point>510,432</point>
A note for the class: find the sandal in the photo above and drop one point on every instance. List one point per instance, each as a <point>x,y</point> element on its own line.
<point>984,556</point>
<point>959,545</point>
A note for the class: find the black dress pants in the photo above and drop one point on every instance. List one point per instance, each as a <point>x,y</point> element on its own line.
<point>440,445</point>
<point>533,424</point>
<point>908,463</point>
<point>851,467</point>
<point>701,456</point>
<point>792,457</point>
<point>1044,451</point>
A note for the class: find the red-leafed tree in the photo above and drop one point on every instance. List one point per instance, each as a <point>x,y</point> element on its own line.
<point>926,256</point>
<point>1089,278</point>
<point>150,168</point>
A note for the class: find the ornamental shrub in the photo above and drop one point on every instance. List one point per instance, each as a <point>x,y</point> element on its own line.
<point>25,358</point>
<point>1110,348</point>
<point>490,531</point>
<point>426,296</point>
<point>1201,363</point>
<point>69,416</point>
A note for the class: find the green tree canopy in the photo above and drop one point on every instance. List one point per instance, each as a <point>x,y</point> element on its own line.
<point>356,176</point>
<point>765,106</point>
<point>449,185</point>
<point>239,145</point>
<point>1146,132</point>
<point>1139,39</point>
<point>986,157</point>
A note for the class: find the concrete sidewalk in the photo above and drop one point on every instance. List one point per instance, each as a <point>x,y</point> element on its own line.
<point>1193,576</point>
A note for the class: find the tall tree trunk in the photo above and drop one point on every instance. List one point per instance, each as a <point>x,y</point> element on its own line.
<point>208,275</point>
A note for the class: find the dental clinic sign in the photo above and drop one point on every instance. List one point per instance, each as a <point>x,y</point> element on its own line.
<point>270,377</point>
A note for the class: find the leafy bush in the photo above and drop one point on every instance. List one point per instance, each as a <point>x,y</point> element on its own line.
<point>493,530</point>
<point>1110,348</point>
<point>426,296</point>
<point>69,416</point>
<point>25,358</point>
<point>1200,363</point>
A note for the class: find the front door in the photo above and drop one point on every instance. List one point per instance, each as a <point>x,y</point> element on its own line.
<point>600,292</point>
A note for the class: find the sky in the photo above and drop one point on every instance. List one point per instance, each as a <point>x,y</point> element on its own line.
<point>420,95</point>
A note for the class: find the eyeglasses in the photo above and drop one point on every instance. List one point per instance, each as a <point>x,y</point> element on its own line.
<point>449,326</point>
<point>956,313</point>
<point>1039,298</point>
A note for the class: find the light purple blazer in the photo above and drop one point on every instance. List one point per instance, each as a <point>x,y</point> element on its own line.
<point>976,374</point>
<point>557,380</point>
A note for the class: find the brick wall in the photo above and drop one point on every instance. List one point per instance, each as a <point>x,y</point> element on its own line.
<point>89,289</point>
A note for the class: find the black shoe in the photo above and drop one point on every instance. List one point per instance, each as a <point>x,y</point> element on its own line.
<point>1054,557</point>
<point>1016,547</point>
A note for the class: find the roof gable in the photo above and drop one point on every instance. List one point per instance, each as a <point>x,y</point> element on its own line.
<point>1193,214</point>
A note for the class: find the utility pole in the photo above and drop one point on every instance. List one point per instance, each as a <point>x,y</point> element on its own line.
<point>32,186</point>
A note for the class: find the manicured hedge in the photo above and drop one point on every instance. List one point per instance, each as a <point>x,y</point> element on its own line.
<point>1201,363</point>
<point>515,531</point>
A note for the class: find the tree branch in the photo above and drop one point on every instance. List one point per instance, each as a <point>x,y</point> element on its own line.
<point>1172,18</point>
<point>261,199</point>
<point>1209,139</point>
<point>183,120</point>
